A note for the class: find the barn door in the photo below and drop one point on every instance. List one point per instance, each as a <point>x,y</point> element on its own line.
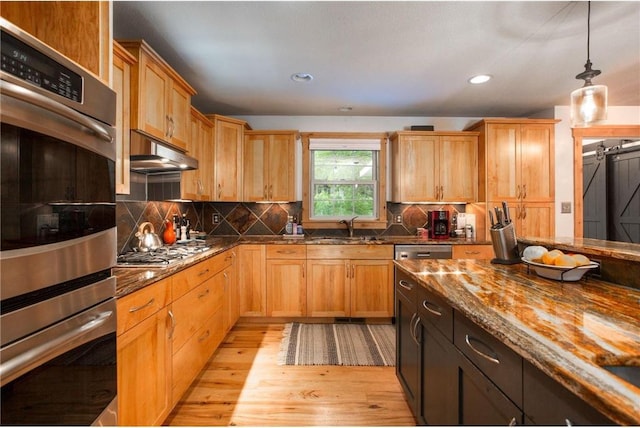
<point>594,188</point>
<point>624,196</point>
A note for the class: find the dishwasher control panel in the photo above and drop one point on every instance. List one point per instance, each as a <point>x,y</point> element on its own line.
<point>422,251</point>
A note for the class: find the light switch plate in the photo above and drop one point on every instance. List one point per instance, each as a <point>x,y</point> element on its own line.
<point>565,207</point>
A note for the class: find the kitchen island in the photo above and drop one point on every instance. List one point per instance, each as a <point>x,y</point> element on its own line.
<point>567,330</point>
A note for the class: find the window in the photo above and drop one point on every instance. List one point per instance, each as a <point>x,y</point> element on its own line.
<point>344,184</point>
<point>343,176</point>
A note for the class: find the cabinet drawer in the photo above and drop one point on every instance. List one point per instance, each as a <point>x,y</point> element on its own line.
<point>436,310</point>
<point>472,252</point>
<point>192,277</point>
<point>354,252</point>
<point>189,360</point>
<point>191,310</point>
<point>287,251</point>
<point>138,306</point>
<point>502,365</point>
<point>406,286</point>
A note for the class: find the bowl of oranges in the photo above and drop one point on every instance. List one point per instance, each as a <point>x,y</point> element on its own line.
<point>556,264</point>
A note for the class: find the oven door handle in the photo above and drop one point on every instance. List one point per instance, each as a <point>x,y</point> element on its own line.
<point>39,100</point>
<point>16,366</point>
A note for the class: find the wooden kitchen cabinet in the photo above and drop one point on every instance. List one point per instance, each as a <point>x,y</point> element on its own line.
<point>60,24</point>
<point>475,251</point>
<point>286,280</point>
<point>231,308</point>
<point>144,328</point>
<point>350,281</point>
<point>434,166</point>
<point>517,166</point>
<point>161,99</point>
<point>228,137</point>
<point>252,287</point>
<point>269,166</point>
<point>197,184</point>
<point>122,61</point>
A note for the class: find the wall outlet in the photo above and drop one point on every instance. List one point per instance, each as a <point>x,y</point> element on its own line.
<point>399,218</point>
<point>565,207</point>
<point>216,219</point>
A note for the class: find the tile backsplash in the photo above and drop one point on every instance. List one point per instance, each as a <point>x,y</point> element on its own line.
<point>251,219</point>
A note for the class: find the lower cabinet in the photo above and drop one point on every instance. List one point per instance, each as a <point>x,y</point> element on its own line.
<point>252,286</point>
<point>286,280</point>
<point>144,356</point>
<point>453,372</point>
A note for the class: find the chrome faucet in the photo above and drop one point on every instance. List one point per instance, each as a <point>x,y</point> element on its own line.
<point>349,225</point>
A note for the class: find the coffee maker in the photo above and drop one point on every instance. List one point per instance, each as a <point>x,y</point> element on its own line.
<point>438,224</point>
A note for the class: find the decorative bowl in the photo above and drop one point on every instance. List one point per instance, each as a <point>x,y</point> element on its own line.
<point>560,273</point>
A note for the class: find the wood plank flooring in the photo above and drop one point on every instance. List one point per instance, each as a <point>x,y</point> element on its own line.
<point>242,385</point>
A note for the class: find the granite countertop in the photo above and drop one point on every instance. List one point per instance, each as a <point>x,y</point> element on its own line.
<point>566,329</point>
<point>131,279</point>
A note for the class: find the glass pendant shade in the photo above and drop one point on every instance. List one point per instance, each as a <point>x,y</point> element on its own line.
<point>588,105</point>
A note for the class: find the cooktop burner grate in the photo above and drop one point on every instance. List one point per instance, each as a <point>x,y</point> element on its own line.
<point>163,256</point>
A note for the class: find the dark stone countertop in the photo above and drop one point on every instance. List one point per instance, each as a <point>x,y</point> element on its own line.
<point>566,329</point>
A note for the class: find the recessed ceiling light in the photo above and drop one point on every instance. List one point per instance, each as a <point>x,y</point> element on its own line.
<point>301,77</point>
<point>480,78</point>
<point>345,108</point>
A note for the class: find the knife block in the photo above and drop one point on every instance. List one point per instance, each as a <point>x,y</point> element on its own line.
<point>505,245</point>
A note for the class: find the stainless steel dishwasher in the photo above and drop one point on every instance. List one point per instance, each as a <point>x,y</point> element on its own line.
<point>423,251</point>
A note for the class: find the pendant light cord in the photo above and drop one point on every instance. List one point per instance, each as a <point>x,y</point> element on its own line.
<point>588,29</point>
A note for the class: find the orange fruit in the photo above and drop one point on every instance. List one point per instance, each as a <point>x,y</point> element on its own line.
<point>581,260</point>
<point>565,261</point>
<point>549,257</point>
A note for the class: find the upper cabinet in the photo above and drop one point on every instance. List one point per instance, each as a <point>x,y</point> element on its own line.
<point>80,30</point>
<point>160,98</point>
<point>228,138</point>
<point>269,166</point>
<point>434,166</point>
<point>197,184</point>
<point>122,61</point>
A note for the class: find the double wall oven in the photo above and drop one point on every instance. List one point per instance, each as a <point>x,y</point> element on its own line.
<point>58,239</point>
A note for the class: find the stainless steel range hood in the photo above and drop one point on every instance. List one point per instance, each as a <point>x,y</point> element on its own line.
<point>151,156</point>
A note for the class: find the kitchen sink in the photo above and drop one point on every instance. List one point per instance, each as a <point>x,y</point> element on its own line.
<point>629,374</point>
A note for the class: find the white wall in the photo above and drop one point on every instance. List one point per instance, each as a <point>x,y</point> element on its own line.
<point>564,158</point>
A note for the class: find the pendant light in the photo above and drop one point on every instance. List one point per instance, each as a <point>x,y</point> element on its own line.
<point>589,103</point>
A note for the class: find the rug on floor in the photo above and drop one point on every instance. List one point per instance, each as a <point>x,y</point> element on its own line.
<point>338,345</point>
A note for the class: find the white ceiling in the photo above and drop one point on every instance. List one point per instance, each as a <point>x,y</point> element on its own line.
<point>389,58</point>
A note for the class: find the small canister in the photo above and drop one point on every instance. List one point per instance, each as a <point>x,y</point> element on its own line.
<point>468,231</point>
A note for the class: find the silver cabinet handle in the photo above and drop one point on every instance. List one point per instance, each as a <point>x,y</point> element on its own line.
<point>201,295</point>
<point>406,285</point>
<point>137,308</point>
<point>467,339</point>
<point>513,422</point>
<point>568,422</point>
<point>173,324</point>
<point>426,303</point>
<point>204,336</point>
<point>204,272</point>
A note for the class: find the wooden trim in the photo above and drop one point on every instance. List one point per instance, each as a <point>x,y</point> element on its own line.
<point>381,221</point>
<point>605,131</point>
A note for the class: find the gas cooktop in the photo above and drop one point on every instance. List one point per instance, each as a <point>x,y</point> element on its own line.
<point>163,256</point>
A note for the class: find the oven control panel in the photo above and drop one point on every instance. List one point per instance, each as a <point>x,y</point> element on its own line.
<point>26,63</point>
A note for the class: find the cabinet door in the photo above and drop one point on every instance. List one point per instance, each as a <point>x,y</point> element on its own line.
<point>255,168</point>
<point>414,168</point>
<point>480,401</point>
<point>458,161</point>
<point>251,280</point>
<point>327,288</point>
<point>281,167</point>
<point>206,160</point>
<point>286,288</point>
<point>438,379</point>
<point>122,86</point>
<point>535,220</point>
<point>537,162</point>
<point>371,288</point>
<point>503,141</point>
<point>179,116</point>
<point>228,149</point>
<point>190,183</point>
<point>231,307</point>
<point>153,114</point>
<point>407,350</point>
<point>144,372</point>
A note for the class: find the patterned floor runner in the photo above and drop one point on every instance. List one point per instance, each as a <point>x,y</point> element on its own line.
<point>338,345</point>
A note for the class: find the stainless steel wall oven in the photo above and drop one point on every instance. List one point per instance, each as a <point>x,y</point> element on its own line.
<point>57,239</point>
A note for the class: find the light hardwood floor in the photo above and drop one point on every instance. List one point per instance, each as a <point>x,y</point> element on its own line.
<point>242,384</point>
